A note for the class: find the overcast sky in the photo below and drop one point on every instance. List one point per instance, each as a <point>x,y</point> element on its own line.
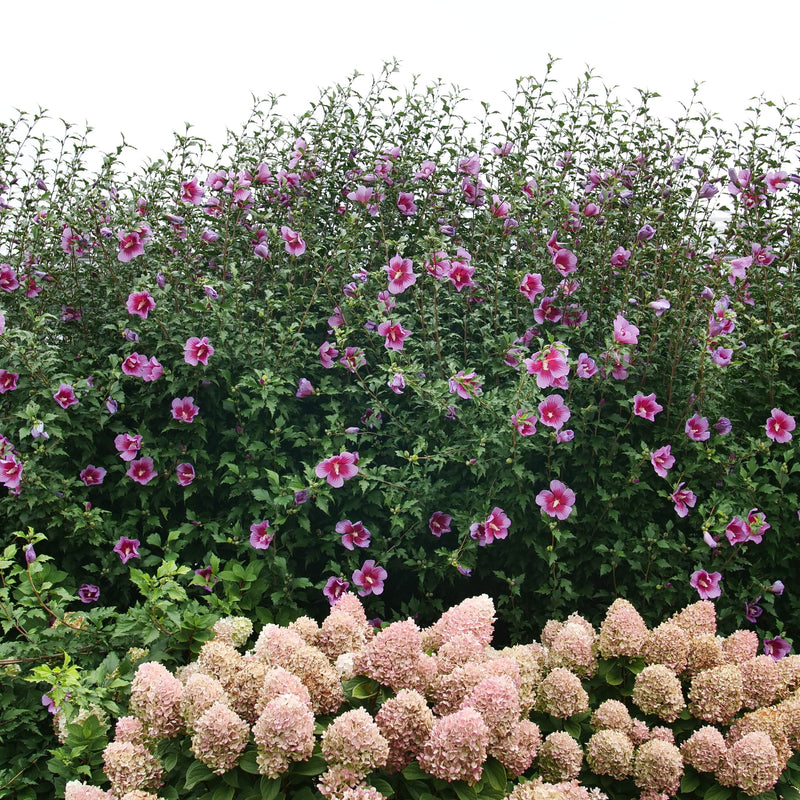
<point>148,67</point>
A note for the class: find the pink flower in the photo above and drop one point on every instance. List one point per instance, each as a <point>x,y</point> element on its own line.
<point>531,285</point>
<point>191,192</point>
<point>426,169</point>
<point>620,257</point>
<point>65,396</point>
<point>259,538</point>
<point>134,364</point>
<point>566,435</point>
<point>776,180</point>
<point>8,278</point>
<point>737,531</point>
<point>295,246</point>
<point>140,303</point>
<point>624,332</point>
<point>395,335</point>
<point>439,523</point>
<point>697,428</point>
<point>722,356</point>
<point>549,366</point>
<point>397,383</point>
<point>777,648</point>
<point>327,353</point>
<point>557,501</point>
<point>304,388</point>
<point>646,407</point>
<point>707,585</point>
<point>184,409</point>
<point>151,370</point>
<point>338,469</point>
<point>565,262</point>
<point>524,422</point>
<point>586,367</point>
<point>470,165</point>
<point>662,460</point>
<point>553,412</point>
<point>460,274</point>
<point>185,474</point>
<point>757,525</point>
<point>780,426</point>
<point>335,588</point>
<point>197,351</point>
<point>126,549</point>
<point>354,534</point>
<point>92,475</point>
<point>8,381</point>
<point>131,245</point>
<point>547,311</point>
<point>369,578</point>
<point>127,445</point>
<point>406,204</point>
<point>141,470</point>
<point>684,499</point>
<point>401,274</point>
<point>353,358</point>
<point>10,472</point>
<point>465,385</point>
<point>496,525</point>
<point>660,306</point>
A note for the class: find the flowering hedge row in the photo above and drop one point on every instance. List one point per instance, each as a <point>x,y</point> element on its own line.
<point>366,714</point>
<point>378,348</point>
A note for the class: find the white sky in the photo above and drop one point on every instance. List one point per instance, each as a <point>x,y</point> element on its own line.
<point>148,67</point>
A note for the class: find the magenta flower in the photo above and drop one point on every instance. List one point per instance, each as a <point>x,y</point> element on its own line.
<point>126,549</point>
<point>532,285</point>
<point>8,381</point>
<point>395,335</point>
<point>586,367</point>
<point>624,332</point>
<point>707,584</point>
<point>496,525</point>
<point>565,262</point>
<point>566,435</point>
<point>660,306</point>
<point>737,531</point>
<point>722,356</point>
<point>439,523</point>
<point>184,409</point>
<point>10,472</point>
<point>338,469</point>
<point>65,396</point>
<point>620,257</point>
<point>140,304</point>
<point>335,588</point>
<point>134,364</point>
<point>777,648</point>
<point>185,474</point>
<point>646,407</point>
<point>553,412</point>
<point>151,370</point>
<point>131,245</point>
<point>192,192</point>
<point>723,426</point>
<point>259,538</point>
<point>327,354</point>
<point>524,422</point>
<point>697,428</point>
<point>369,578</point>
<point>549,366</point>
<point>397,383</point>
<point>89,593</point>
<point>30,554</point>
<point>780,426</point>
<point>92,475</point>
<point>401,274</point>
<point>684,499</point>
<point>757,525</point>
<point>353,358</point>
<point>295,246</point>
<point>752,611</point>
<point>662,460</point>
<point>465,385</point>
<point>354,534</point>
<point>406,204</point>
<point>197,351</point>
<point>304,388</point>
<point>557,501</point>
<point>8,278</point>
<point>141,470</point>
<point>127,445</point>
<point>460,274</point>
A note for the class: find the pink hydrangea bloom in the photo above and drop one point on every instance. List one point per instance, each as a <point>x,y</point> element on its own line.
<point>185,474</point>
<point>646,407</point>
<point>684,499</point>
<point>184,409</point>
<point>557,501</point>
<point>338,469</point>
<point>553,412</point>
<point>456,748</point>
<point>662,460</point>
<point>259,538</point>
<point>439,523</point>
<point>401,274</point>
<point>780,426</point>
<point>624,332</point>
<point>141,470</point>
<point>697,428</point>
<point>126,549</point>
<point>369,578</point>
<point>197,351</point>
<point>707,584</point>
<point>354,534</point>
<point>92,475</point>
<point>65,396</point>
<point>140,304</point>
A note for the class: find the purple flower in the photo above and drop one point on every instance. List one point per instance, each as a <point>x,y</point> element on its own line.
<point>354,534</point>
<point>776,588</point>
<point>259,538</point>
<point>439,523</point>
<point>301,497</point>
<point>89,593</point>
<point>753,611</point>
<point>126,549</point>
<point>184,473</point>
<point>646,232</point>
<point>30,554</point>
<point>207,574</point>
<point>92,475</point>
<point>777,647</point>
<point>369,578</point>
<point>304,388</point>
<point>723,426</point>
<point>335,588</point>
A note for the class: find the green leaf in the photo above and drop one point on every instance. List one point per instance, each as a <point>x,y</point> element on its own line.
<point>223,792</point>
<point>464,791</point>
<point>413,772</point>
<point>689,783</point>
<point>495,773</point>
<point>248,762</point>
<point>197,773</point>
<point>270,788</point>
<point>314,766</point>
<point>384,787</point>
<point>717,792</point>
<point>614,676</point>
